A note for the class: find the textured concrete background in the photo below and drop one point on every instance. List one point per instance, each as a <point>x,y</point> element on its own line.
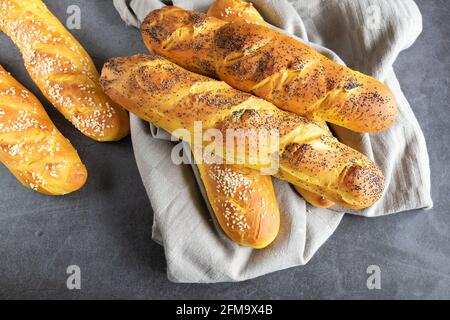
<point>106,227</point>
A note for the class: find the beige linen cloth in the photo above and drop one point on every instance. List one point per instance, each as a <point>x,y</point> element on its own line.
<point>368,35</point>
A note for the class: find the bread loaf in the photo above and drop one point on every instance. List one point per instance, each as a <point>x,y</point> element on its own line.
<point>172,98</point>
<point>241,11</point>
<point>62,69</point>
<point>235,11</point>
<point>243,202</point>
<point>31,147</point>
<point>271,65</point>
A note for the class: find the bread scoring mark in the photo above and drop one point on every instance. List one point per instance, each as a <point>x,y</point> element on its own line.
<point>233,42</point>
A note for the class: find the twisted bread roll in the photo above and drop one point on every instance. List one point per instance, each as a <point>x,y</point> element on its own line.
<point>271,65</point>
<point>62,69</point>
<point>241,11</point>
<point>31,146</point>
<point>172,98</point>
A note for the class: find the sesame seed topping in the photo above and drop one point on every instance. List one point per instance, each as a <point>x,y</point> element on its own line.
<point>59,65</point>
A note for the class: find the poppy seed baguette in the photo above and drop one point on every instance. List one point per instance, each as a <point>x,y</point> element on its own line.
<point>271,65</point>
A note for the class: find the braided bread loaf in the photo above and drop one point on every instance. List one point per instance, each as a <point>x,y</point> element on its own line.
<point>172,98</point>
<point>62,69</point>
<point>271,65</point>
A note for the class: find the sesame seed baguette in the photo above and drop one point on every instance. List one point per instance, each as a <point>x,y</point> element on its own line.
<point>172,98</point>
<point>271,65</point>
<point>243,202</point>
<point>242,11</point>
<point>62,69</point>
<point>31,147</point>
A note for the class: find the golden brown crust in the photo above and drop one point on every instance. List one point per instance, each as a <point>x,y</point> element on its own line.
<point>241,11</point>
<point>244,203</point>
<point>172,98</point>
<point>271,65</point>
<point>235,10</point>
<point>165,28</point>
<point>314,199</point>
<point>332,170</point>
<point>32,147</point>
<point>62,69</point>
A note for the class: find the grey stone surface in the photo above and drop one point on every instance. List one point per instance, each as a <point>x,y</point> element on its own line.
<point>106,227</point>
